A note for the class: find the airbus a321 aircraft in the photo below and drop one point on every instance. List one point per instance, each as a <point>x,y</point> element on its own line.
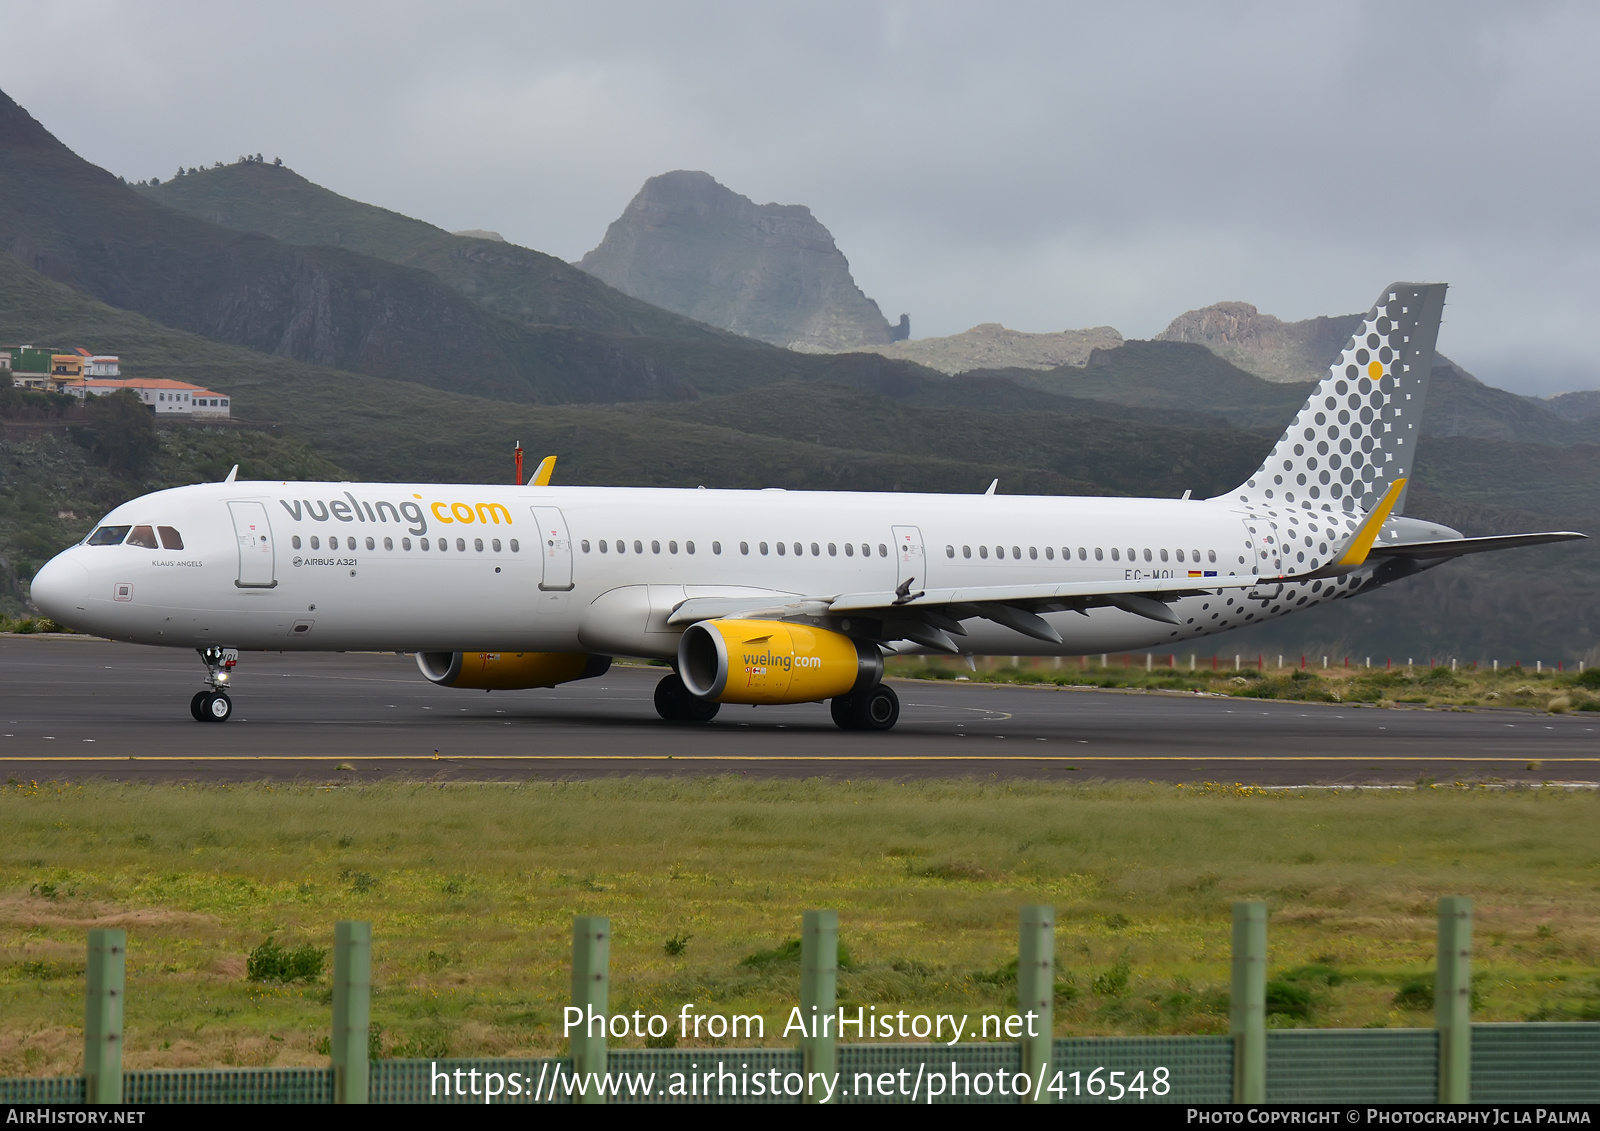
<point>772,596</point>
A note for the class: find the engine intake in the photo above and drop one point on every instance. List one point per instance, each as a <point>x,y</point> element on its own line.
<point>764,661</point>
<point>509,671</point>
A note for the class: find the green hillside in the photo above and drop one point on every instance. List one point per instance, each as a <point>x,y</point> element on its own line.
<point>516,282</point>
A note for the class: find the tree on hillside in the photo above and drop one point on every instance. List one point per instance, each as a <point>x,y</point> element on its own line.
<point>120,432</point>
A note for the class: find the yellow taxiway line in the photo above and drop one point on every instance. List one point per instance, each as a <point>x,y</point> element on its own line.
<point>778,758</point>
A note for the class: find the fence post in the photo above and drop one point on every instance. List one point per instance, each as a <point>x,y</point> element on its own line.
<point>1248,1005</point>
<point>1036,992</point>
<point>591,990</point>
<point>102,1015</point>
<point>1452,999</point>
<point>819,983</point>
<point>352,1010</point>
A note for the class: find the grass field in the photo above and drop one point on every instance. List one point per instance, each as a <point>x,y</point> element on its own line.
<point>1410,684</point>
<point>471,890</point>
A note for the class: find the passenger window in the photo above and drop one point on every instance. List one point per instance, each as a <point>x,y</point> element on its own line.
<point>602,545</point>
<point>672,547</point>
<point>983,552</point>
<point>744,547</point>
<point>371,545</point>
<point>833,549</point>
<point>1163,555</point>
<point>584,544</point>
<point>763,548</point>
<point>405,543</point>
<point>1115,556</point>
<point>1196,557</point>
<point>638,547</point>
<point>1098,556</point>
<point>316,545</point>
<point>143,536</point>
<point>1211,555</point>
<point>295,541</point>
<point>461,545</point>
<point>496,545</point>
<point>866,550</point>
<point>1016,552</point>
<point>849,549</point>
<point>170,538</point>
<point>798,549</point>
<point>477,544</point>
<point>782,549</point>
<point>109,536</point>
<point>1050,552</point>
<point>423,543</point>
<point>689,546</point>
<point>816,552</point>
<point>883,551</point>
<point>655,546</point>
<point>1083,554</point>
<point>1000,551</point>
<point>443,545</point>
<point>1033,552</point>
<point>514,547</point>
<point>716,548</point>
<point>1180,556</point>
<point>949,551</point>
<point>1147,555</point>
<point>1131,555</point>
<point>388,544</point>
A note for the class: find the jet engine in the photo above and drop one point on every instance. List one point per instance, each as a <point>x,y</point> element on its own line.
<point>509,671</point>
<point>764,661</point>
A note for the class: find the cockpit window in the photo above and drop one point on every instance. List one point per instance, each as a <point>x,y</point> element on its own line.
<point>143,536</point>
<point>108,536</point>
<point>170,538</point>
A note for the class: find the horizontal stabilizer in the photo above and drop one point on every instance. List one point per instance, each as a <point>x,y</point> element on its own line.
<point>1456,547</point>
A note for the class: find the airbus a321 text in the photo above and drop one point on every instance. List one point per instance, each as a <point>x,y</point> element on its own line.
<point>772,596</point>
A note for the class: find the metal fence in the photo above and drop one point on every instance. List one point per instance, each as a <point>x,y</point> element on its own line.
<point>1454,1062</point>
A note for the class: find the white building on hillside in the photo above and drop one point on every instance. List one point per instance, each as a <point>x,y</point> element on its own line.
<point>164,397</point>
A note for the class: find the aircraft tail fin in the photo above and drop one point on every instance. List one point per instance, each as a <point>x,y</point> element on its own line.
<point>1357,434</point>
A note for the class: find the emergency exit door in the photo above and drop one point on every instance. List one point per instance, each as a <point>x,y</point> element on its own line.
<point>254,537</point>
<point>911,563</point>
<point>555,548</point>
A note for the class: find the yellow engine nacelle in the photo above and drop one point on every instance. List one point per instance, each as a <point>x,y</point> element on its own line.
<point>765,661</point>
<point>509,671</point>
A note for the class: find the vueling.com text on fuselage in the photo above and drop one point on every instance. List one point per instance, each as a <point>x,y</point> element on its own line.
<point>410,511</point>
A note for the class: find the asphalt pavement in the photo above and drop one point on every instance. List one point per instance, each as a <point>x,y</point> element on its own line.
<point>76,707</point>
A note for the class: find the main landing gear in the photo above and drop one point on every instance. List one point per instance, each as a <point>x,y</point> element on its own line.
<point>877,708</point>
<point>213,705</point>
<point>874,709</point>
<point>676,705</point>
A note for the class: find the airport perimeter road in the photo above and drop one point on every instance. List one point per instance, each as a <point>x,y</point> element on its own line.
<point>73,707</point>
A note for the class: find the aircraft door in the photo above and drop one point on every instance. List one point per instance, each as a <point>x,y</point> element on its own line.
<point>254,537</point>
<point>555,548</point>
<point>911,562</point>
<point>1263,536</point>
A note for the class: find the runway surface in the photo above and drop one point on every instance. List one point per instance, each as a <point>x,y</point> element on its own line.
<point>74,707</point>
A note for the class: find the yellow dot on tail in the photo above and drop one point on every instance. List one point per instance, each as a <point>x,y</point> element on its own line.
<point>1375,370</point>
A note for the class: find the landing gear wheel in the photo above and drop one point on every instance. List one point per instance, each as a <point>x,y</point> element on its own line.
<point>217,707</point>
<point>676,705</point>
<point>197,706</point>
<point>877,709</point>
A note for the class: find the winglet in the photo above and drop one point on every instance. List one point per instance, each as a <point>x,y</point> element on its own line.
<point>1360,543</point>
<point>542,473</point>
<point>992,486</point>
<point>232,475</point>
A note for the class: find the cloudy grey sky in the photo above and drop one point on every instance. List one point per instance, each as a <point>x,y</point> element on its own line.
<point>1044,165</point>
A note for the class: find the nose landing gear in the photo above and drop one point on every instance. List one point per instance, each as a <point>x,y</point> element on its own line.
<point>213,705</point>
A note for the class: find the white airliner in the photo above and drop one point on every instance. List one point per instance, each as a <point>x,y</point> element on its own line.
<point>772,596</point>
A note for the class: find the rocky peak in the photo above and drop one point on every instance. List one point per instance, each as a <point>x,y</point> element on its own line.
<point>767,271</point>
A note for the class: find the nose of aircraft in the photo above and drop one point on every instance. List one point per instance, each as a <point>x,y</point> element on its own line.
<point>61,589</point>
